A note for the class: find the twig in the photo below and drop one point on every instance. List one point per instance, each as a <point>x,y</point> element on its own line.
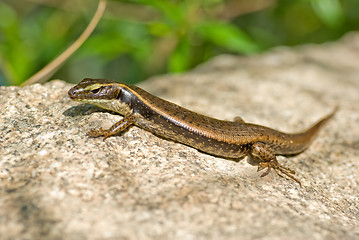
<point>45,73</point>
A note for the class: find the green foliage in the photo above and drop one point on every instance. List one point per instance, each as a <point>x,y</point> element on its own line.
<point>227,36</point>
<point>139,38</point>
<point>330,12</point>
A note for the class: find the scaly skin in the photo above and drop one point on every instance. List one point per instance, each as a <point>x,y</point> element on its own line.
<point>228,139</point>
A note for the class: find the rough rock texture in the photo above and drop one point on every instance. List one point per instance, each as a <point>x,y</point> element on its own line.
<point>56,183</point>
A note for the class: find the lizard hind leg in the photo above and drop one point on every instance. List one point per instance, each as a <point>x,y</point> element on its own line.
<point>238,119</point>
<point>269,161</point>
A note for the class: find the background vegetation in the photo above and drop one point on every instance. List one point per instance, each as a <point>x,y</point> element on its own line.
<point>139,38</point>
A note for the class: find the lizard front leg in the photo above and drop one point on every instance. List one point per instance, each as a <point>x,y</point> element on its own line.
<point>115,129</point>
<point>267,159</point>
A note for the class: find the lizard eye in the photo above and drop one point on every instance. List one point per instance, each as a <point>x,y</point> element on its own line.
<point>96,90</point>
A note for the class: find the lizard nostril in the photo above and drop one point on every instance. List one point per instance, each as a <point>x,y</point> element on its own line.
<point>71,93</point>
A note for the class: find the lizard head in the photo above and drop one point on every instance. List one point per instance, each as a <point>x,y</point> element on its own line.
<point>103,93</point>
<point>89,89</point>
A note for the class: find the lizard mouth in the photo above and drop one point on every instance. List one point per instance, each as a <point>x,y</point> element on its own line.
<point>72,93</point>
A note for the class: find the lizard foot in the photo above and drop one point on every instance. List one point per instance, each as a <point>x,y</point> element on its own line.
<point>278,168</point>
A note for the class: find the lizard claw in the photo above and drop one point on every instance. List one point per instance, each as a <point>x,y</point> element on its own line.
<point>278,168</point>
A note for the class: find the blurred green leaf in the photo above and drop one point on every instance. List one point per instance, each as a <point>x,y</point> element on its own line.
<point>329,11</point>
<point>116,38</point>
<point>179,59</point>
<point>16,62</point>
<point>159,29</point>
<point>7,16</point>
<point>227,36</point>
<point>171,10</point>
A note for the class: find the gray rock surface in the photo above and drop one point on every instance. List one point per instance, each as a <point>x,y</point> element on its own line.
<point>56,183</point>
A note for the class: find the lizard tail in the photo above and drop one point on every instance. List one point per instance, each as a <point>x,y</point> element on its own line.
<point>302,140</point>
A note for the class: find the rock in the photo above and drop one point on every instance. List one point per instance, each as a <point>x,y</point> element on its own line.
<point>57,183</point>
